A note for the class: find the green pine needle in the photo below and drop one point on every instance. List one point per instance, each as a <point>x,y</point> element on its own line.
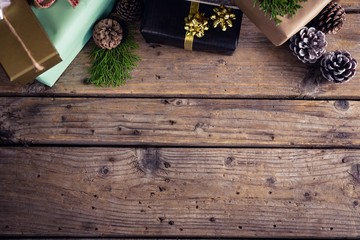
<point>111,68</point>
<point>276,8</point>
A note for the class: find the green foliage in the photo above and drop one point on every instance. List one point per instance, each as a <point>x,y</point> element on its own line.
<point>276,8</point>
<point>111,68</point>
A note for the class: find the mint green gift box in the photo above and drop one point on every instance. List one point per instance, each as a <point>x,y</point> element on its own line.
<point>69,29</point>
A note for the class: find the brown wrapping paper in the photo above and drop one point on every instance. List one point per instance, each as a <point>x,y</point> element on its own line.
<point>278,34</point>
<point>13,56</point>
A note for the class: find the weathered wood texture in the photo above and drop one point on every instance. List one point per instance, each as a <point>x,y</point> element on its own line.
<point>256,70</point>
<point>180,122</point>
<point>162,166</point>
<point>180,192</point>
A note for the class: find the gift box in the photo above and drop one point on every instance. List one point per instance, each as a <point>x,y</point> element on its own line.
<point>290,25</point>
<point>25,50</point>
<point>228,3</point>
<point>69,29</point>
<point>163,22</point>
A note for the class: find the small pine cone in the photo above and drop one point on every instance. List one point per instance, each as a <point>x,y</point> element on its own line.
<point>330,19</point>
<point>308,45</point>
<point>338,66</point>
<point>107,33</point>
<point>128,10</point>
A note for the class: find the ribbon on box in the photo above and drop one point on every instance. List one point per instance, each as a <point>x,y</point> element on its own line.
<point>49,3</point>
<point>196,23</point>
<point>4,4</point>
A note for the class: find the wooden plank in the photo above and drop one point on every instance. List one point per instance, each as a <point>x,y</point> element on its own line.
<point>349,3</point>
<point>256,70</point>
<point>351,6</point>
<point>179,192</point>
<point>180,122</point>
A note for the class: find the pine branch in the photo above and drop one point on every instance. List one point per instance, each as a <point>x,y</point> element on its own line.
<point>279,8</point>
<point>111,68</point>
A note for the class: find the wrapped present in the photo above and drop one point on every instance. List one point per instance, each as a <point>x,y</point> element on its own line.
<point>278,33</point>
<point>69,29</point>
<point>228,3</point>
<point>25,50</point>
<point>190,25</point>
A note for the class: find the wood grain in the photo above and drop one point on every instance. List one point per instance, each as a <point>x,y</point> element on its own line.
<point>180,122</point>
<point>181,152</point>
<point>179,192</point>
<point>349,3</point>
<point>256,70</point>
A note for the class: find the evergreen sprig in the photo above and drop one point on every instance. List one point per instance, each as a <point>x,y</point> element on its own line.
<point>111,68</point>
<point>279,8</point>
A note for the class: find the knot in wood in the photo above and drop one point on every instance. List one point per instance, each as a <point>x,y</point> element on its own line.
<point>355,172</point>
<point>104,171</point>
<point>149,160</point>
<point>342,105</point>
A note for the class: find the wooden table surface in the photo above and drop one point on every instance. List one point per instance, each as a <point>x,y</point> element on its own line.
<point>195,145</point>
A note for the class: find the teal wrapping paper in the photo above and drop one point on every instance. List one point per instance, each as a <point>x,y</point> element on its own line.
<point>69,29</point>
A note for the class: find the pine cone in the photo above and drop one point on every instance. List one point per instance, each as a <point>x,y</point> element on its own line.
<point>107,33</point>
<point>338,66</point>
<point>128,10</point>
<point>330,19</point>
<point>308,45</point>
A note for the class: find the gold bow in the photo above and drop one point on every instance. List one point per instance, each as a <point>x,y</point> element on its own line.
<point>223,17</point>
<point>195,25</point>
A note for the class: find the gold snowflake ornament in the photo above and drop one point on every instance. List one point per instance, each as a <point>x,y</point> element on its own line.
<point>223,17</point>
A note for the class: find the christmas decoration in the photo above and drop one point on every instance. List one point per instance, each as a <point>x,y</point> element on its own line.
<point>111,68</point>
<point>228,3</point>
<point>196,25</point>
<point>338,66</point>
<point>308,45</point>
<point>107,33</point>
<point>163,22</point>
<point>69,29</point>
<point>276,8</point>
<point>25,49</point>
<point>223,17</point>
<point>278,29</point>
<point>330,19</point>
<point>128,10</point>
<point>49,3</point>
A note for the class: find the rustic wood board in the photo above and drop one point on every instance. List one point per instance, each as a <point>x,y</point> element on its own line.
<point>180,122</point>
<point>180,192</point>
<point>256,70</point>
<point>195,145</point>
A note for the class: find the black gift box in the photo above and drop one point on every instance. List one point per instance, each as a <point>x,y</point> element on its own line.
<point>163,22</point>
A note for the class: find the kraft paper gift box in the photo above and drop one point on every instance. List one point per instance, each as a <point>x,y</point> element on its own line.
<point>24,43</point>
<point>289,26</point>
<point>163,23</point>
<point>69,29</point>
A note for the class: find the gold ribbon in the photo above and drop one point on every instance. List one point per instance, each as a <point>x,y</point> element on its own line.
<point>195,25</point>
